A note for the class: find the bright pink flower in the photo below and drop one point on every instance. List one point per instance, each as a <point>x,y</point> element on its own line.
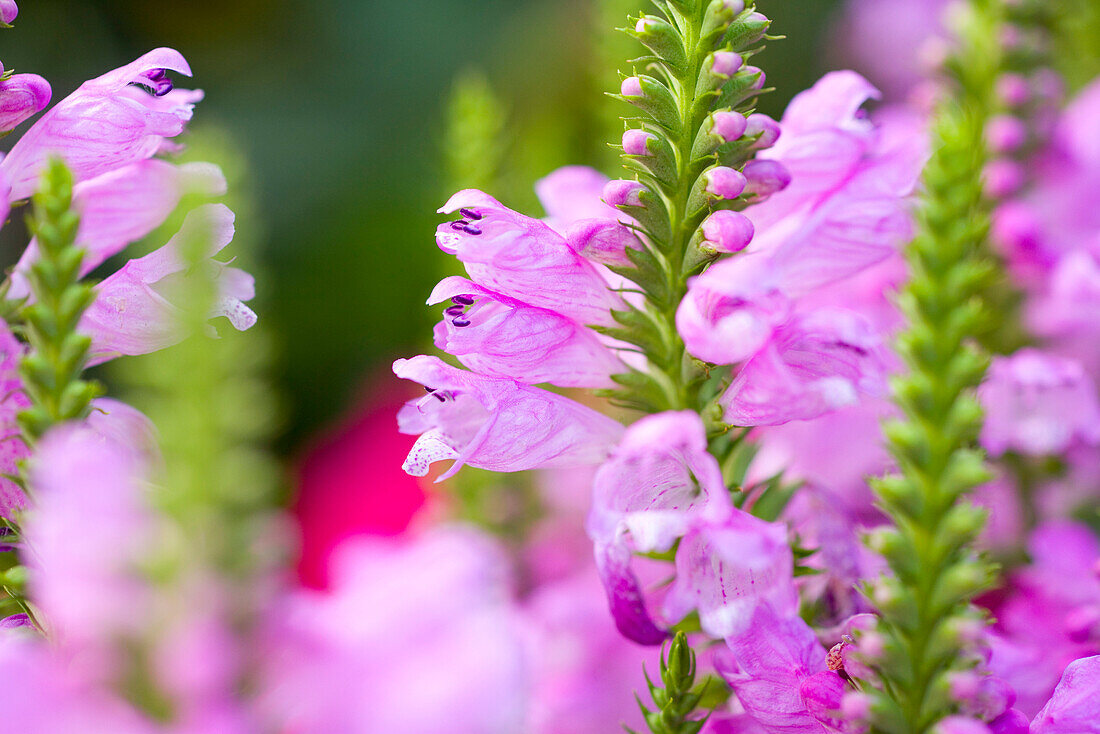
<point>815,364</point>
<point>124,205</point>
<point>496,424</point>
<point>131,314</point>
<point>498,336</point>
<point>107,123</point>
<point>8,11</point>
<point>780,677</point>
<point>21,97</point>
<point>523,258</point>
<point>1075,706</point>
<point>1038,404</point>
<point>727,571</point>
<point>415,637</point>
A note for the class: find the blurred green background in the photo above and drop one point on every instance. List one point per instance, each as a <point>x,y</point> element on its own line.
<point>342,117</point>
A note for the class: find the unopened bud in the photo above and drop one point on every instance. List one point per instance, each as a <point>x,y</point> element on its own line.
<point>1006,133</point>
<point>1003,178</point>
<point>726,63</point>
<point>765,127</point>
<point>623,193</point>
<point>21,97</point>
<point>728,125</point>
<point>632,87</point>
<point>8,11</point>
<point>761,77</point>
<point>728,231</point>
<point>725,182</point>
<point>734,6</point>
<point>1013,90</point>
<point>766,177</point>
<point>635,142</point>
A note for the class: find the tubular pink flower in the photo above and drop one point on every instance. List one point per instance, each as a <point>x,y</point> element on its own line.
<point>658,483</point>
<point>1038,404</point>
<point>1075,707</point>
<point>131,314</point>
<point>780,677</point>
<point>731,310</point>
<point>727,571</point>
<point>21,97</point>
<point>523,258</point>
<point>820,362</point>
<point>123,206</point>
<point>106,123</point>
<point>496,424</point>
<point>498,336</point>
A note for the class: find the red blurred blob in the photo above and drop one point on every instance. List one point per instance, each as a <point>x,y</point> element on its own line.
<point>351,482</point>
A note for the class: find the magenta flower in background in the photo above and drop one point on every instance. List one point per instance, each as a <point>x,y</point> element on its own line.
<point>496,424</point>
<point>21,97</point>
<point>414,637</point>
<point>498,336</point>
<point>133,313</point>
<point>1038,404</point>
<point>107,123</point>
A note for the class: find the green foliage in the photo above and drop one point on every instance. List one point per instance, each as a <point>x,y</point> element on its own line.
<point>935,573</point>
<point>675,702</point>
<point>474,142</point>
<point>51,370</point>
<point>681,92</point>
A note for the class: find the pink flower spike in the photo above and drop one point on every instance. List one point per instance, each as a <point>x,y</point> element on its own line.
<point>496,424</point>
<point>131,314</point>
<point>724,182</point>
<point>765,177</point>
<point>8,11</point>
<point>124,205</point>
<point>623,193</point>
<point>729,125</point>
<point>499,336</point>
<point>22,96</point>
<point>106,123</point>
<point>765,127</point>
<point>726,63</point>
<point>635,142</point>
<point>632,87</point>
<point>1038,404</point>
<point>727,231</point>
<point>523,258</point>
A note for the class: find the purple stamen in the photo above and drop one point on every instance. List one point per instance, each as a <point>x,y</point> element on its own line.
<point>464,300</point>
<point>473,229</point>
<point>158,82</point>
<point>461,323</point>
<point>459,226</point>
<point>455,310</point>
<point>471,214</point>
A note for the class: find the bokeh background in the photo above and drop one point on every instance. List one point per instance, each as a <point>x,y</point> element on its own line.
<point>346,123</point>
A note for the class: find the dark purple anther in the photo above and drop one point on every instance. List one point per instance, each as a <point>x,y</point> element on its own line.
<point>463,300</point>
<point>459,226</point>
<point>471,214</point>
<point>461,323</point>
<point>473,229</point>
<point>157,80</point>
<point>15,621</point>
<point>455,310</point>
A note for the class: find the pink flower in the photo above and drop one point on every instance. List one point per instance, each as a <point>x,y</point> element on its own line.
<point>123,206</point>
<point>416,637</point>
<point>572,194</point>
<point>498,336</point>
<point>1039,404</point>
<point>21,97</point>
<point>107,123</point>
<point>8,11</point>
<point>727,571</point>
<point>1075,706</point>
<point>815,364</point>
<point>496,424</point>
<point>659,481</point>
<point>779,675</point>
<point>132,314</point>
<point>12,401</point>
<point>523,258</point>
